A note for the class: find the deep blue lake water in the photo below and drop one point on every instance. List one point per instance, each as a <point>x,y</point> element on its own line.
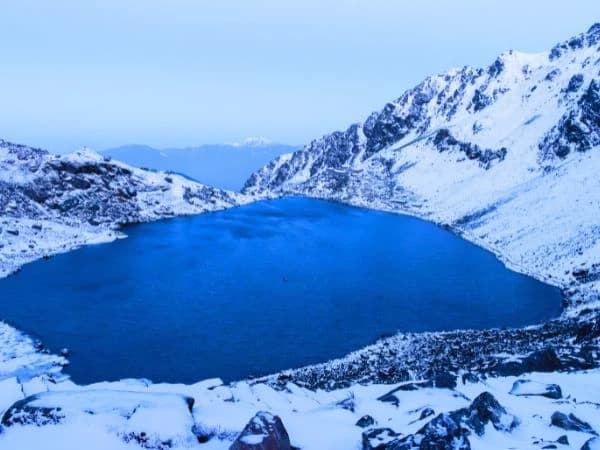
<point>260,288</point>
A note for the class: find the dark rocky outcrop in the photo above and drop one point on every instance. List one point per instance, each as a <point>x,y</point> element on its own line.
<point>365,421</point>
<point>444,141</point>
<point>527,388</point>
<point>23,412</point>
<point>264,432</point>
<point>448,431</point>
<point>578,130</point>
<point>571,423</point>
<point>592,444</point>
<point>378,438</point>
<point>544,360</point>
<point>575,83</point>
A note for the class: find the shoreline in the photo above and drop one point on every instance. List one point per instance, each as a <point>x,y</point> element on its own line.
<point>326,368</point>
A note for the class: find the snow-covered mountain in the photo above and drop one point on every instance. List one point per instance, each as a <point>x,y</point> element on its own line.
<point>226,166</point>
<point>51,203</point>
<point>507,155</point>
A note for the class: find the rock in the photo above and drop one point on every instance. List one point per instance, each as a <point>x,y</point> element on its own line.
<point>365,421</point>
<point>545,360</point>
<point>592,444</point>
<point>348,404</point>
<point>469,377</point>
<point>129,413</point>
<point>13,232</point>
<point>390,397</point>
<point>378,439</point>
<point>485,409</point>
<point>441,433</point>
<point>528,387</point>
<point>444,379</point>
<point>426,412</point>
<point>563,440</point>
<point>264,432</point>
<point>571,423</point>
<point>575,83</point>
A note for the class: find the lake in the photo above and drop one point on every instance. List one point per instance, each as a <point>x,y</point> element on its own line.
<point>260,288</point>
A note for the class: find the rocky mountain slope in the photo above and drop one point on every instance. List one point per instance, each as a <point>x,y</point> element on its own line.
<point>51,203</point>
<point>506,155</point>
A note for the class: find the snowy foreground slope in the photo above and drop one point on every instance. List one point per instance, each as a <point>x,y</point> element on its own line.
<point>508,156</point>
<point>51,203</point>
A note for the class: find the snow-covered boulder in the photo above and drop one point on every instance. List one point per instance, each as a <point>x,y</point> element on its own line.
<point>528,387</point>
<point>152,420</point>
<point>264,432</point>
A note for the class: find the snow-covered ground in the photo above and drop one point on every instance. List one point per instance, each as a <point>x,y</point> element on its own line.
<point>507,156</point>
<point>130,414</point>
<point>51,204</point>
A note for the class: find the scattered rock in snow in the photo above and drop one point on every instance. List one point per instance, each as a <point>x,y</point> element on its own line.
<point>592,444</point>
<point>264,432</point>
<point>426,412</point>
<point>571,423</point>
<point>544,360</point>
<point>378,438</point>
<point>365,421</point>
<point>528,387</point>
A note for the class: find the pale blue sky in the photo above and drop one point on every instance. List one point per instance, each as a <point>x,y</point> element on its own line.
<point>185,72</point>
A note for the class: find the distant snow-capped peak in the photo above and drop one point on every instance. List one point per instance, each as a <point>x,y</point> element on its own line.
<point>253,141</point>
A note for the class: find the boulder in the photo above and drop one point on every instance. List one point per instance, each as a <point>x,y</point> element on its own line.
<point>485,409</point>
<point>528,387</point>
<point>132,415</point>
<point>378,439</point>
<point>365,421</point>
<point>592,444</point>
<point>264,432</point>
<point>444,379</point>
<point>544,360</point>
<point>426,412</point>
<point>571,423</point>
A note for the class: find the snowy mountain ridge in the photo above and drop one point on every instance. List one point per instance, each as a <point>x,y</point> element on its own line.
<point>500,154</point>
<point>51,203</point>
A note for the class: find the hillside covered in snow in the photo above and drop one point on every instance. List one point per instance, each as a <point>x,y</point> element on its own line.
<point>506,155</point>
<point>51,203</point>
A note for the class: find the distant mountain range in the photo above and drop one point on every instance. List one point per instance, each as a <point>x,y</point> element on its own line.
<point>226,166</point>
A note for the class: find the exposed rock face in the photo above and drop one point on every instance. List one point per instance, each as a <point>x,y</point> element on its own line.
<point>592,444</point>
<point>579,129</point>
<point>544,360</point>
<point>81,197</point>
<point>444,141</point>
<point>447,431</point>
<point>264,432</point>
<point>571,423</point>
<point>527,388</point>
